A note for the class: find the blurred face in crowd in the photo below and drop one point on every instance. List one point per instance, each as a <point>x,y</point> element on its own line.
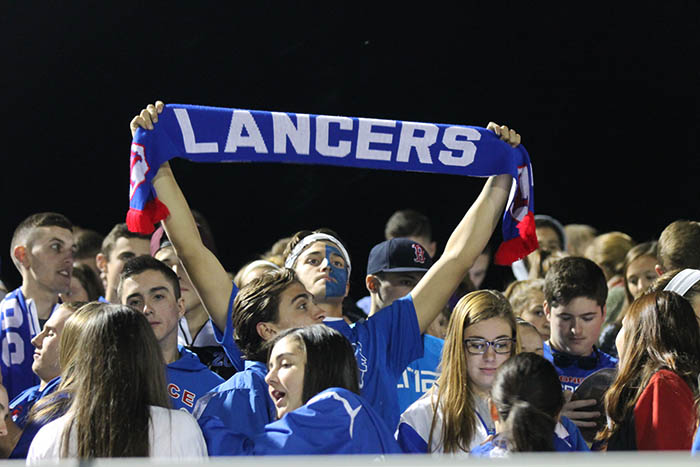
<point>530,340</point>
<point>641,273</point>
<point>535,315</point>
<point>548,239</point>
<point>124,249</point>
<point>575,327</point>
<point>477,273</point>
<point>390,286</point>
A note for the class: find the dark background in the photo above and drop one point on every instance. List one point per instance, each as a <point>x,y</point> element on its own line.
<point>605,95</point>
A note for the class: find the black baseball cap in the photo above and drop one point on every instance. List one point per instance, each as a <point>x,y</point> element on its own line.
<point>398,255</point>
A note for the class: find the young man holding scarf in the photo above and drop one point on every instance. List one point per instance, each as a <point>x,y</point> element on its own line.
<point>384,344</point>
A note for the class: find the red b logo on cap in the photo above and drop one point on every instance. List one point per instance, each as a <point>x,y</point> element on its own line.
<point>420,254</point>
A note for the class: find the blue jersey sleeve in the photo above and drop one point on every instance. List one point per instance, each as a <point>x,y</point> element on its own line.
<point>575,439</point>
<point>225,337</point>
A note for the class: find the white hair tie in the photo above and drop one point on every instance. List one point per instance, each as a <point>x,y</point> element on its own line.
<point>308,240</point>
<point>683,281</point>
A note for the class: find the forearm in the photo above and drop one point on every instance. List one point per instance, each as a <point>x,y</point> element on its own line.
<point>465,244</point>
<point>208,276</point>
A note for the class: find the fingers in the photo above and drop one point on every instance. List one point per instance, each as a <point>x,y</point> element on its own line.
<point>506,134</point>
<point>582,424</point>
<point>147,118</point>
<point>575,405</point>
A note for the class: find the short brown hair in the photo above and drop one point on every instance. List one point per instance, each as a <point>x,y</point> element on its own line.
<point>27,226</point>
<point>679,246</point>
<point>117,232</point>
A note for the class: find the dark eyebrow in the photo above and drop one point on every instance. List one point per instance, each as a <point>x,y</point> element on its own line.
<point>56,239</point>
<point>301,295</point>
<point>133,295</point>
<point>158,289</point>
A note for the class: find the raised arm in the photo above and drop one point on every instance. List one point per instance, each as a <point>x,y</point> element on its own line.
<point>207,274</point>
<point>465,244</point>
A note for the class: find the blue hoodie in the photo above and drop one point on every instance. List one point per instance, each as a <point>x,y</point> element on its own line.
<point>189,379</point>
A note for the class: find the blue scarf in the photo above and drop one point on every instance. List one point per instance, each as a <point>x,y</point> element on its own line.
<point>210,134</point>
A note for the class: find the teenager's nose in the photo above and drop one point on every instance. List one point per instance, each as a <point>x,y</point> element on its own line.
<point>325,263</point>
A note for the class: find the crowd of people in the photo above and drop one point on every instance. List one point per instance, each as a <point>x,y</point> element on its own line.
<point>129,345</point>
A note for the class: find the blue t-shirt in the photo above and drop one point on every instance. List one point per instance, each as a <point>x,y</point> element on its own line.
<point>335,421</point>
<point>696,443</point>
<point>225,338</point>
<point>571,376</point>
<point>19,323</point>
<point>189,379</point>
<point>421,374</point>
<point>19,411</point>
<point>384,345</point>
<point>242,402</point>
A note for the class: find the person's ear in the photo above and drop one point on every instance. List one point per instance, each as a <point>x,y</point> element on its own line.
<point>181,307</point>
<point>20,254</point>
<point>547,310</point>
<point>101,261</point>
<point>431,248</point>
<point>659,270</point>
<point>266,330</point>
<point>605,310</point>
<point>372,283</point>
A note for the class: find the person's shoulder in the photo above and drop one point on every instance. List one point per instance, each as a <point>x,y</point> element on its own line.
<point>669,378</point>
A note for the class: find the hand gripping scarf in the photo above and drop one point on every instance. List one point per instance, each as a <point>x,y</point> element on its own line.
<point>211,134</point>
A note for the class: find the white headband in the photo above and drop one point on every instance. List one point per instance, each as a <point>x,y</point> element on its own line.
<point>308,240</point>
<point>683,281</point>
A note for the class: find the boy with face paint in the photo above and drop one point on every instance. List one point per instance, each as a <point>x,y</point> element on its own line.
<point>390,339</point>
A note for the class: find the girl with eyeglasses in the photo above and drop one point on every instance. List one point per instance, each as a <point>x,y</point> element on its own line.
<point>453,417</point>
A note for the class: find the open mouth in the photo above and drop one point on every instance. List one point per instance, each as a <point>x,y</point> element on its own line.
<point>277,396</point>
<point>64,273</point>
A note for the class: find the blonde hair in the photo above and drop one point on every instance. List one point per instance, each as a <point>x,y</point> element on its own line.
<point>454,395</point>
<point>609,251</point>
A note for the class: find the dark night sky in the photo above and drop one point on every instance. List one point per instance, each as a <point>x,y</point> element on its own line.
<point>605,95</point>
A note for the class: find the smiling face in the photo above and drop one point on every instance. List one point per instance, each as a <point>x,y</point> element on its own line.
<point>285,377</point>
<point>49,258</point>
<point>322,270</point>
<point>640,274</point>
<point>46,354</point>
<point>575,327</point>
<point>151,293</point>
<point>481,369</point>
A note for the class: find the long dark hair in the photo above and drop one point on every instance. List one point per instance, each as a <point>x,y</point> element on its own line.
<point>528,397</point>
<point>118,374</point>
<point>661,332</point>
<point>330,359</point>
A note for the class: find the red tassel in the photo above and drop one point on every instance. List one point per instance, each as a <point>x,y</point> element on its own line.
<point>144,221</point>
<point>518,247</point>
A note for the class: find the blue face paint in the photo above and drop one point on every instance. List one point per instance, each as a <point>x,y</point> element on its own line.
<point>339,276</point>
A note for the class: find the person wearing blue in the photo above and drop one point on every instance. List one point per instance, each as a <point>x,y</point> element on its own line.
<point>46,366</point>
<point>313,381</point>
<point>394,267</point>
<point>526,400</point>
<point>150,286</point>
<point>390,339</point>
<point>575,293</point>
<point>267,305</point>
<point>42,250</point>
